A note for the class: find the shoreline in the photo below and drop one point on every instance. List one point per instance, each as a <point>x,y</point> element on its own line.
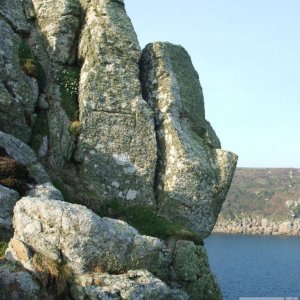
<point>255,226</point>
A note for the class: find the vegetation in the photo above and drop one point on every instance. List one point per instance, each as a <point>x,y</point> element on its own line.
<point>264,193</point>
<point>68,80</point>
<point>53,276</point>
<point>30,64</point>
<point>13,175</point>
<point>74,127</point>
<point>148,222</point>
<point>3,247</point>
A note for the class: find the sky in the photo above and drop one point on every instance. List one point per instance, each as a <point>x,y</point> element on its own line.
<point>247,54</point>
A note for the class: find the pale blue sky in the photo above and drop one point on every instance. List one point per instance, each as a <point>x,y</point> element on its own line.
<point>247,54</point>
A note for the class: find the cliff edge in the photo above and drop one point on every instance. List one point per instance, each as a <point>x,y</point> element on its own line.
<point>110,175</point>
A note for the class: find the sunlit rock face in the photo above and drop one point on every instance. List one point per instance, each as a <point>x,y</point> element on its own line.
<point>193,173</point>
<point>117,147</point>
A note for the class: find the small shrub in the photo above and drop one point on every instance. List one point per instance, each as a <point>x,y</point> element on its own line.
<point>52,275</point>
<point>16,184</point>
<point>74,127</point>
<point>29,67</point>
<point>9,167</point>
<point>68,80</point>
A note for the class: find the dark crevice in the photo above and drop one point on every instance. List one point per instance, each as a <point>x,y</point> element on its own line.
<point>158,166</point>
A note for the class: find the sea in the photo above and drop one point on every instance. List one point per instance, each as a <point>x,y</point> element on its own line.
<point>255,265</point>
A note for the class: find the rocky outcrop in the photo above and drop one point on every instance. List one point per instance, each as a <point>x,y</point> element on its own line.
<point>258,225</point>
<point>114,129</point>
<point>117,147</point>
<point>193,174</point>
<point>23,154</point>
<point>8,199</point>
<point>17,284</point>
<point>97,251</point>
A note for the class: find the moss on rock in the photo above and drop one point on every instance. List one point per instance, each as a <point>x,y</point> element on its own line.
<point>30,64</point>
<point>68,80</point>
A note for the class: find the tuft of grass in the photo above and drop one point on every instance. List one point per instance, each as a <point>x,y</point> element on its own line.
<point>9,167</point>
<point>52,275</point>
<point>68,80</point>
<point>3,247</point>
<point>148,222</point>
<point>75,127</point>
<point>13,175</point>
<point>16,184</point>
<point>30,64</point>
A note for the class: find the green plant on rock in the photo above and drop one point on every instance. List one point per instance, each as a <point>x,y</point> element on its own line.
<point>74,127</point>
<point>68,80</point>
<point>148,222</point>
<point>30,64</point>
<point>3,247</point>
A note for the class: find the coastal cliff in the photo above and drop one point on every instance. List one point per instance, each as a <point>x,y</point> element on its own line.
<point>110,175</point>
<point>262,201</point>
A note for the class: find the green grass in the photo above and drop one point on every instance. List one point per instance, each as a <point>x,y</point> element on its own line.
<point>30,64</point>
<point>3,247</point>
<point>148,222</point>
<point>68,80</point>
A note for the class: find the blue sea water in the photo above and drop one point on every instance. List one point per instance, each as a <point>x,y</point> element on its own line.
<point>255,266</point>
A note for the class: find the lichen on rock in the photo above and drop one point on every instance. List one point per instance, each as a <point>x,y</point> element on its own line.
<point>193,175</point>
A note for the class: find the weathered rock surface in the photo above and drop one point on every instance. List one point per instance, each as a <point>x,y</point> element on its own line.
<point>117,145</point>
<point>24,155</point>
<point>80,238</point>
<point>193,174</point>
<point>135,284</point>
<point>8,199</point>
<point>45,191</point>
<point>99,250</point>
<point>18,91</point>
<point>78,103</point>
<point>17,284</point>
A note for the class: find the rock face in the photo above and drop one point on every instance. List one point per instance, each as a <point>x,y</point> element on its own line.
<point>117,146</point>
<point>94,248</point>
<point>24,155</point>
<point>111,126</point>
<point>193,174</point>
<point>8,199</point>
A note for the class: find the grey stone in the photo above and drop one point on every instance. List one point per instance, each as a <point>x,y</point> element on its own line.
<point>18,285</point>
<point>117,141</point>
<point>193,176</point>
<point>45,191</point>
<point>61,230</point>
<point>13,12</point>
<point>8,199</point>
<point>42,102</point>
<point>94,248</point>
<point>18,92</point>
<point>59,21</point>
<point>24,155</point>
<point>135,284</point>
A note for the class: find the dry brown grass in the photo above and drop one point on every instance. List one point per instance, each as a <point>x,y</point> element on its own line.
<point>53,277</point>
